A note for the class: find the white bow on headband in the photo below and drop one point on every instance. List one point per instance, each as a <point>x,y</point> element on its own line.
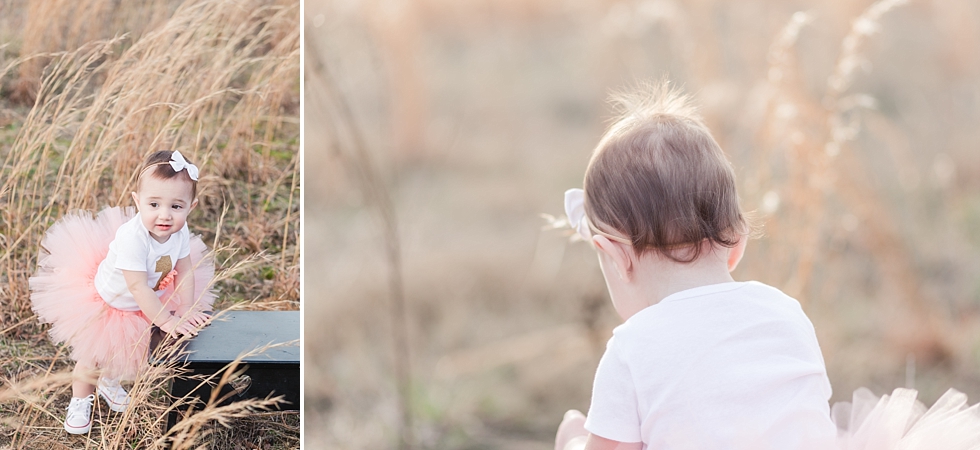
<point>178,163</point>
<point>575,211</point>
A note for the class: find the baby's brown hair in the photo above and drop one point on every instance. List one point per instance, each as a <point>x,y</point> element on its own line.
<point>659,178</point>
<point>157,164</point>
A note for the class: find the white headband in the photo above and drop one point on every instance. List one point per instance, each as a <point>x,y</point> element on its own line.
<point>178,163</point>
<point>575,211</point>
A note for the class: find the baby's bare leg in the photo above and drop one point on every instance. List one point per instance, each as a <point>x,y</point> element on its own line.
<point>84,378</point>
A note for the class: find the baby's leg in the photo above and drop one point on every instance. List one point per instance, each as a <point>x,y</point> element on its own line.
<point>571,433</point>
<point>78,420</point>
<point>83,380</point>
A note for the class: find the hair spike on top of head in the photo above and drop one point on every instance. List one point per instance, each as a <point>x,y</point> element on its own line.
<point>647,100</point>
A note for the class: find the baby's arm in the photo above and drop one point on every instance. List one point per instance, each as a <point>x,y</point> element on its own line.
<point>184,283</point>
<point>572,435</point>
<point>151,306</point>
<point>600,443</point>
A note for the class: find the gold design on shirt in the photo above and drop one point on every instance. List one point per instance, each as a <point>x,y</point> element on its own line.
<point>164,266</point>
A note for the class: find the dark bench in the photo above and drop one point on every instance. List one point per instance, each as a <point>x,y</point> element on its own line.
<point>273,372</point>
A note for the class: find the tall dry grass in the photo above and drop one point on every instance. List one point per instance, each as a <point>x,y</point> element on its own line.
<point>60,25</point>
<point>850,124</point>
<point>216,79</point>
<point>129,429</point>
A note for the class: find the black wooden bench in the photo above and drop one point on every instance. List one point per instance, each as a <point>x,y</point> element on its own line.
<point>273,372</point>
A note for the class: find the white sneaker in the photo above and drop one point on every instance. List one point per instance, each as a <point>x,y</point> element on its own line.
<point>79,418</point>
<point>115,396</point>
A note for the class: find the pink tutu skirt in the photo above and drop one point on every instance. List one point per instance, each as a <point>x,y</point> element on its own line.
<point>63,294</point>
<point>900,422</point>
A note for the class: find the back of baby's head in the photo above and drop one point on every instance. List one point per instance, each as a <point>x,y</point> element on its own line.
<point>659,178</point>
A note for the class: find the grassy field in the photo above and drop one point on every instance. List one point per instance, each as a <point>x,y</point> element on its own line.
<point>437,131</point>
<point>87,89</point>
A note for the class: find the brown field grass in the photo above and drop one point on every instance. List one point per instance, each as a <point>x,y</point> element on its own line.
<point>86,90</point>
<point>445,128</point>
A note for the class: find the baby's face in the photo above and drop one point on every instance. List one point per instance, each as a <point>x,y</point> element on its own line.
<point>164,205</point>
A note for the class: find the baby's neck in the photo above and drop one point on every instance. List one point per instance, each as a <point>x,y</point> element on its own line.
<point>659,277</point>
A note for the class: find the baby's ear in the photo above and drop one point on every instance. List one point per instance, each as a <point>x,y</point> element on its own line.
<point>194,204</point>
<point>136,200</point>
<point>620,254</point>
<point>735,253</point>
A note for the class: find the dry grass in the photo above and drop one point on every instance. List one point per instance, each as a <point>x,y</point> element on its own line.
<point>128,429</point>
<point>61,25</point>
<point>104,86</point>
<point>851,125</point>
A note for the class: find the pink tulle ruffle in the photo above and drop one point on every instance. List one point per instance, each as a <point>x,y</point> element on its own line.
<point>63,293</point>
<point>900,422</point>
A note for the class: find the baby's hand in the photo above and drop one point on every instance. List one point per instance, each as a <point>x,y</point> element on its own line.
<point>571,433</point>
<point>196,318</point>
<point>176,326</point>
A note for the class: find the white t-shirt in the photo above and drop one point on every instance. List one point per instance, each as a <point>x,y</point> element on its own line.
<point>134,249</point>
<point>724,366</point>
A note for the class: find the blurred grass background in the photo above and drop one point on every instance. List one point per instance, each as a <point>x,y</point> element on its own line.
<point>437,131</point>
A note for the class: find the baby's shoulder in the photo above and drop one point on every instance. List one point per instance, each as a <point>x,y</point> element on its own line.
<point>769,306</point>
<point>184,232</point>
<point>770,295</point>
<point>130,229</point>
<point>128,237</point>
